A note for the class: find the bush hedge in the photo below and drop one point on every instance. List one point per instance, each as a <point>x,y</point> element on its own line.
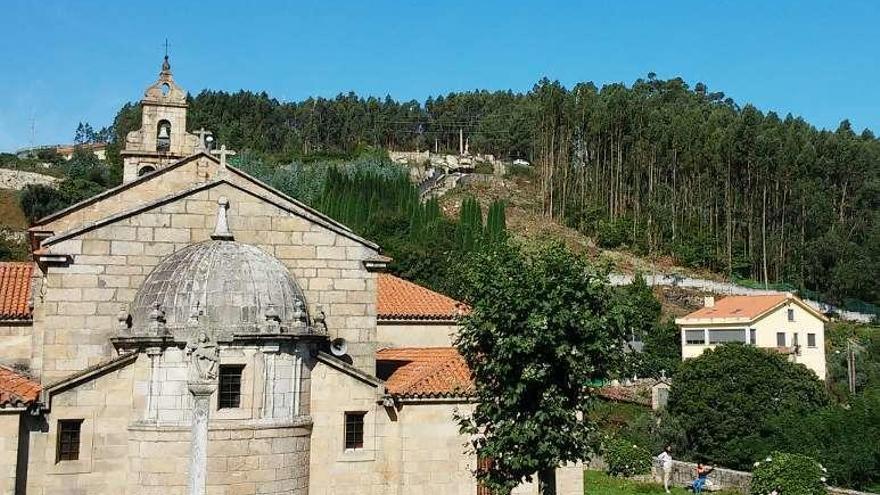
<point>793,474</point>
<point>625,458</point>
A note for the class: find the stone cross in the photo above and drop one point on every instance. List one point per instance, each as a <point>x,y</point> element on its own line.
<point>202,134</point>
<point>223,153</point>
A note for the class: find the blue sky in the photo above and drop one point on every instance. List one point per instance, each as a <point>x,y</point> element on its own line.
<point>64,61</point>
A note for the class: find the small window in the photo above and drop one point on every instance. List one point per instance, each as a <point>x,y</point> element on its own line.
<point>780,339</point>
<point>146,169</point>
<point>230,387</point>
<point>753,336</point>
<point>794,340</point>
<point>694,337</point>
<point>726,336</point>
<point>354,430</point>
<point>811,340</point>
<point>68,440</point>
<point>790,315</point>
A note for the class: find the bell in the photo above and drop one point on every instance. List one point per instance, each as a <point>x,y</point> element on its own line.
<point>163,132</point>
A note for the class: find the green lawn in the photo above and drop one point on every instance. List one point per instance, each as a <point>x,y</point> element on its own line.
<point>599,483</point>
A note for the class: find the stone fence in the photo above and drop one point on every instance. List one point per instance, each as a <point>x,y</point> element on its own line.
<point>18,179</point>
<point>683,473</point>
<point>717,287</point>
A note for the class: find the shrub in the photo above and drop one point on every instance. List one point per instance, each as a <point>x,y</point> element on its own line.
<point>625,458</point>
<point>794,474</point>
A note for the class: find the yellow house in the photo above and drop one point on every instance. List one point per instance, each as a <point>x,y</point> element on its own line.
<point>775,321</point>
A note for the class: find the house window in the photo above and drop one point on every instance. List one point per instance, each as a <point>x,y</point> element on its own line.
<point>354,430</point>
<point>695,337</point>
<point>230,387</point>
<point>68,440</point>
<point>753,336</point>
<point>790,315</point>
<point>811,340</point>
<point>780,339</point>
<point>794,340</point>
<point>725,336</point>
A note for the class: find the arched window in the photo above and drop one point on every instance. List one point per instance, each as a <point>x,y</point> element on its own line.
<point>146,169</point>
<point>163,136</point>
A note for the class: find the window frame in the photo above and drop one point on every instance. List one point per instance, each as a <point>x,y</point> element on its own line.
<point>753,336</point>
<point>354,426</point>
<point>783,341</point>
<point>224,395</point>
<point>790,314</point>
<point>688,341</point>
<point>812,341</point>
<point>68,440</point>
<point>742,336</point>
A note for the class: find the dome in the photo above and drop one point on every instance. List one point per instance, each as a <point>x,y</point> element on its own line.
<point>234,288</point>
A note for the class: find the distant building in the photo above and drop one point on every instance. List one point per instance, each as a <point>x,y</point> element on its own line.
<point>64,150</point>
<point>776,321</point>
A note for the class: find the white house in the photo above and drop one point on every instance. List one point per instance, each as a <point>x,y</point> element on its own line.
<point>776,321</point>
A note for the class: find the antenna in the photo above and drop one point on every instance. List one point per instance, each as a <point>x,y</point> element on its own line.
<point>166,47</point>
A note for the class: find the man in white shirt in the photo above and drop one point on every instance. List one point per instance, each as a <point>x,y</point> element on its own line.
<point>664,460</point>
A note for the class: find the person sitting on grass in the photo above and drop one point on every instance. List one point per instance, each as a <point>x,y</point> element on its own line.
<point>702,480</point>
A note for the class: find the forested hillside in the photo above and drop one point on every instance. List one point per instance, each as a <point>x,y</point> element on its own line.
<point>658,167</point>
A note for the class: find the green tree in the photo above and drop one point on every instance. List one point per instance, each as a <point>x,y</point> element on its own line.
<point>725,398</point>
<point>543,327</point>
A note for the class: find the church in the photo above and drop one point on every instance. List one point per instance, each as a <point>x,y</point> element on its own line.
<point>194,331</point>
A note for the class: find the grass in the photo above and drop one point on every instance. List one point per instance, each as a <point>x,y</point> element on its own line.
<point>599,483</point>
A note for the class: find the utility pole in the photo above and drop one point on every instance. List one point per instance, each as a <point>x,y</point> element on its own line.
<point>461,141</point>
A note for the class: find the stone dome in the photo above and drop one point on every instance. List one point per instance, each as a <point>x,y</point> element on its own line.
<point>234,288</point>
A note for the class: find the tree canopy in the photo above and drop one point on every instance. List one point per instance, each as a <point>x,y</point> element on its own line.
<point>543,327</point>
<point>724,400</point>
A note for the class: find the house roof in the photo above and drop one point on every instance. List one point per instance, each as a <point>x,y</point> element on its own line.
<point>399,299</point>
<point>17,390</point>
<point>745,309</point>
<point>426,372</point>
<point>15,290</point>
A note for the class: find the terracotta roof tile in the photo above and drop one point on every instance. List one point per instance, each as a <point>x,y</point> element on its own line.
<point>748,307</point>
<point>16,389</point>
<point>15,290</point>
<point>399,299</point>
<point>426,372</point>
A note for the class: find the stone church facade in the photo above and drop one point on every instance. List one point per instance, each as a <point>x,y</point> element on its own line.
<point>173,336</point>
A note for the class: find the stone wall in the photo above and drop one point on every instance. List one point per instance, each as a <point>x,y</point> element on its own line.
<point>9,421</point>
<point>415,334</point>
<point>18,179</point>
<point>77,315</point>
<point>16,338</point>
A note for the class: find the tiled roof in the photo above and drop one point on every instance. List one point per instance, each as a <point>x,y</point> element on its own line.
<point>748,307</point>
<point>15,290</point>
<point>16,389</point>
<point>399,299</point>
<point>426,372</point>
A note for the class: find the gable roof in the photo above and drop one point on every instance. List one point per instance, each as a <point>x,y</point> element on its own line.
<point>307,215</point>
<point>308,212</point>
<point>399,299</point>
<point>15,290</point>
<point>17,390</point>
<point>426,372</point>
<point>745,308</point>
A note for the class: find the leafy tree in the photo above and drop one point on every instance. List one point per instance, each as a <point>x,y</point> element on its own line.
<point>543,327</point>
<point>789,473</point>
<point>725,398</point>
<point>38,201</point>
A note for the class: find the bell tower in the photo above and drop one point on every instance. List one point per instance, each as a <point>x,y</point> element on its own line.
<point>162,138</point>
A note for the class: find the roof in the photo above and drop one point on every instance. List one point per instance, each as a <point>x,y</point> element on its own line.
<point>17,390</point>
<point>399,299</point>
<point>426,372</point>
<point>744,308</point>
<point>15,290</point>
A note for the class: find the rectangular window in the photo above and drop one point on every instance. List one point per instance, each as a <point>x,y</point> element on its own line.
<point>790,315</point>
<point>753,336</point>
<point>780,339</point>
<point>229,387</point>
<point>794,340</point>
<point>811,340</point>
<point>354,430</point>
<point>68,440</point>
<point>695,337</point>
<point>725,336</point>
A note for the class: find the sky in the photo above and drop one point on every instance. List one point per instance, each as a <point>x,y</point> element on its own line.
<point>62,62</point>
